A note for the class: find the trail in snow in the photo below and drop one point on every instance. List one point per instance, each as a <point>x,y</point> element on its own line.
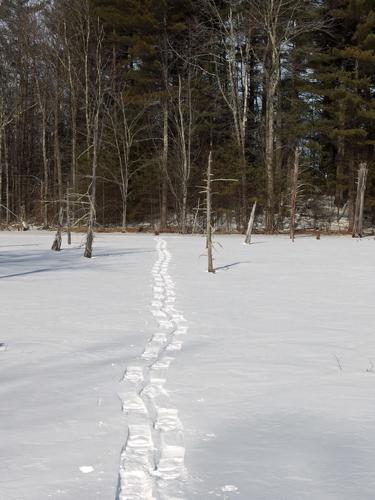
<point>152,461</point>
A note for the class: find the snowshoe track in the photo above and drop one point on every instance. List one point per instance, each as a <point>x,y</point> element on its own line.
<point>152,463</point>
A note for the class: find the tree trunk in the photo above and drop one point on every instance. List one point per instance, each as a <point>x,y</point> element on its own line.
<point>341,153</point>
<point>57,241</point>
<point>7,180</point>
<point>124,211</point>
<point>97,102</point>
<point>124,216</point>
<point>73,113</point>
<point>294,194</point>
<point>89,242</point>
<point>1,173</point>
<point>269,143</point>
<point>243,208</point>
<point>340,172</point>
<point>124,194</point>
<point>45,170</point>
<point>68,222</point>
<point>74,152</point>
<point>92,214</point>
<point>360,200</point>
<point>351,194</point>
<point>251,224</point>
<point>278,159</point>
<point>164,172</point>
<point>56,245</point>
<point>184,209</point>
<point>210,267</point>
<point>24,223</point>
<point>185,131</point>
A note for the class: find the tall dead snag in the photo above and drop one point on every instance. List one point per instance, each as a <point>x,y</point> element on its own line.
<point>360,200</point>
<point>125,125</point>
<point>294,194</point>
<point>68,219</point>
<point>250,225</point>
<point>209,213</point>
<point>208,191</point>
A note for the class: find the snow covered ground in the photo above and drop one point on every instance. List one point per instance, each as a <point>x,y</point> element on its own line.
<point>71,327</point>
<point>263,372</point>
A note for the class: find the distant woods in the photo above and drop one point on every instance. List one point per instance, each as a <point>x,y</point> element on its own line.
<point>110,111</point>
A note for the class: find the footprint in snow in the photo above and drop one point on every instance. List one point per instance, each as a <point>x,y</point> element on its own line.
<point>229,487</point>
<point>209,437</point>
<point>86,469</point>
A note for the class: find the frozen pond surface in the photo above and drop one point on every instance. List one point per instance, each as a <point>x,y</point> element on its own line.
<point>273,384</point>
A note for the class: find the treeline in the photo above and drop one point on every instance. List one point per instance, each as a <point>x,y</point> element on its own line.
<point>109,109</point>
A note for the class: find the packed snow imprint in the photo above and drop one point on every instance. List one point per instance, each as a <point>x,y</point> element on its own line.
<point>152,462</point>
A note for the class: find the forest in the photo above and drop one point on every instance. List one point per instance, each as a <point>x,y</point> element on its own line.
<point>111,110</point>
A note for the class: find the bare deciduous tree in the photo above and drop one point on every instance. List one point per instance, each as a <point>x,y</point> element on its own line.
<point>95,104</point>
<point>125,125</point>
<point>209,193</point>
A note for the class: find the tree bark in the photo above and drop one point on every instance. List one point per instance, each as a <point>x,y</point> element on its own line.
<point>92,214</point>
<point>57,241</point>
<point>210,266</point>
<point>1,173</point>
<point>7,179</point>
<point>125,205</point>
<point>294,194</point>
<point>250,225</point>
<point>164,172</point>
<point>269,156</point>
<point>184,145</point>
<point>68,220</point>
<point>351,194</point>
<point>97,103</point>
<point>340,169</point>
<point>360,200</point>
<point>45,168</point>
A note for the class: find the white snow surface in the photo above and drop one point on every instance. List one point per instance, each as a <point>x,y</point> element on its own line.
<point>265,392</point>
